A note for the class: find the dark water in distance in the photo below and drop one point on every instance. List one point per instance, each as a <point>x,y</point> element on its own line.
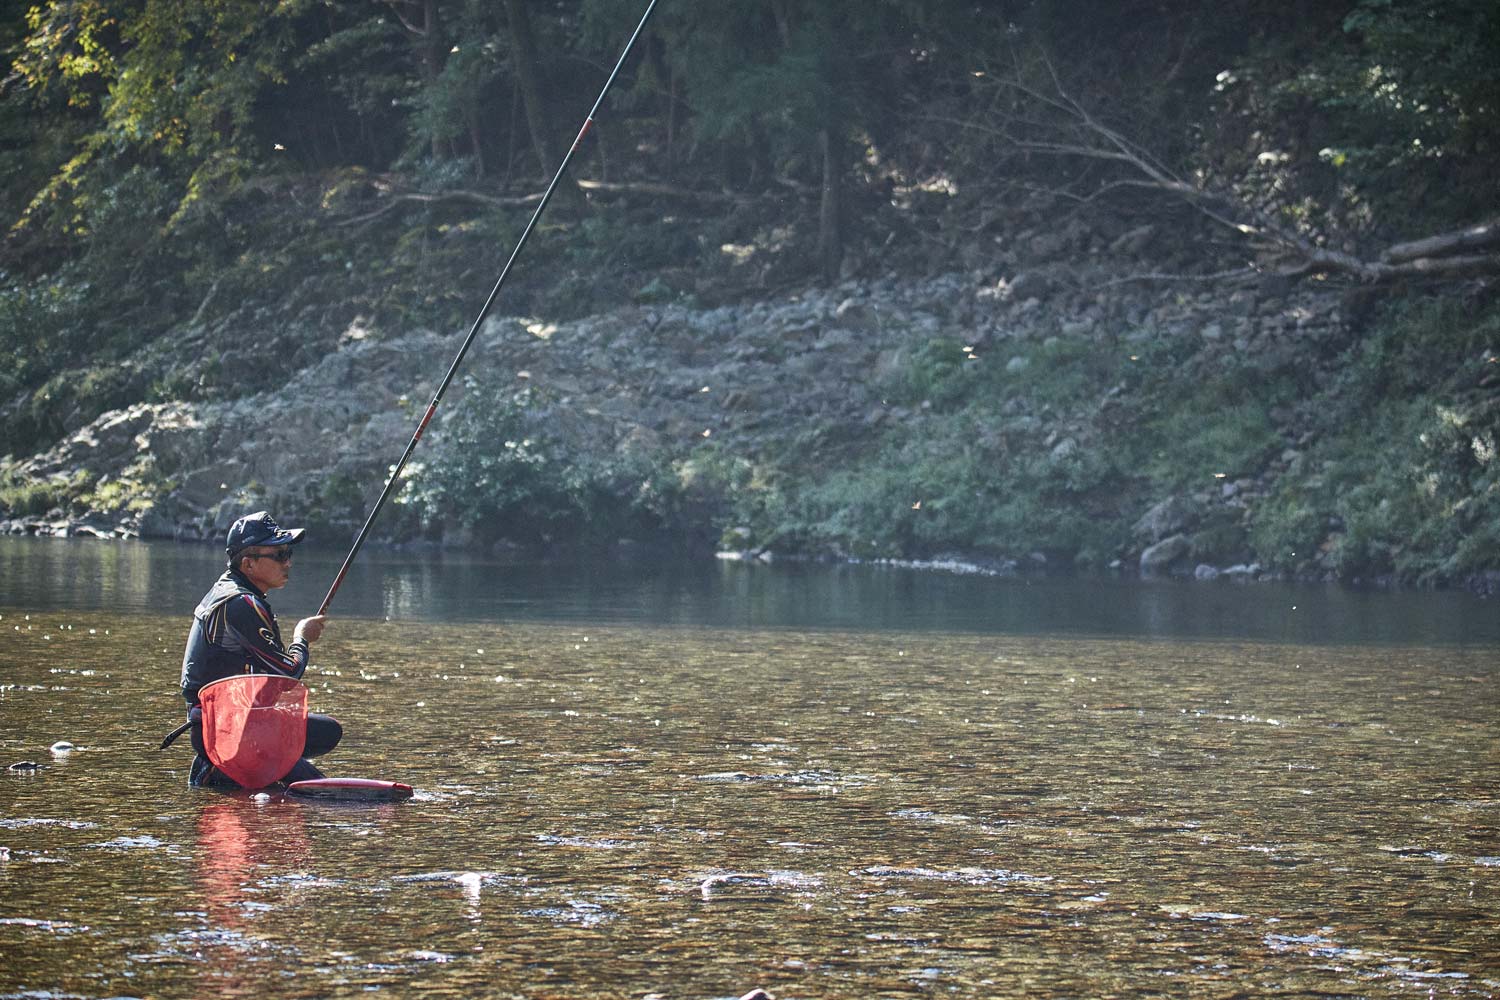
<point>129,577</point>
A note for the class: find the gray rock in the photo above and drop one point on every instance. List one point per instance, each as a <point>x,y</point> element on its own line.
<point>1051,244</point>
<point>1030,285</point>
<point>1134,241</point>
<point>1171,516</point>
<point>853,313</point>
<point>1160,557</point>
<point>1205,572</point>
<point>1242,303</point>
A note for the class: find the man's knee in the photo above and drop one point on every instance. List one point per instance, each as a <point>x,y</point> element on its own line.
<point>323,734</point>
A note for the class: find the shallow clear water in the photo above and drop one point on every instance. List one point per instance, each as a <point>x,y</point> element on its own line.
<point>622,796</point>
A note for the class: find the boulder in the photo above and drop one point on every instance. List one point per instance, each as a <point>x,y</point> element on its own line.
<point>1134,241</point>
<point>1030,285</point>
<point>1160,557</point>
<point>853,313</point>
<point>1171,516</point>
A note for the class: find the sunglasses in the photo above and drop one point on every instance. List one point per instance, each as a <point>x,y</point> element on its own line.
<point>280,555</point>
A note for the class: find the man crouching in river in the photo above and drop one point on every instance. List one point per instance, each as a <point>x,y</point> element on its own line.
<point>235,632</point>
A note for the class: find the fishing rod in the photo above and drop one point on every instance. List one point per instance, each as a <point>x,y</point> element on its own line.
<point>390,483</point>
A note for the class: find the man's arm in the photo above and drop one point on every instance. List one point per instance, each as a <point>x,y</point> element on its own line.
<point>253,625</point>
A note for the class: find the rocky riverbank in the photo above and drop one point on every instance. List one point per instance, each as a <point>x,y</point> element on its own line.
<point>879,419</point>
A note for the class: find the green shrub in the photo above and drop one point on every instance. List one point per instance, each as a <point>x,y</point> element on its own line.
<point>26,497</point>
<point>932,372</point>
<point>1407,480</point>
<point>507,469</point>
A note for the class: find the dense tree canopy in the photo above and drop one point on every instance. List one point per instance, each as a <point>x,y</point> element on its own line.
<point>743,94</point>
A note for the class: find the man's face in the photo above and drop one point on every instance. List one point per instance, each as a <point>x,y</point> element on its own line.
<point>268,567</point>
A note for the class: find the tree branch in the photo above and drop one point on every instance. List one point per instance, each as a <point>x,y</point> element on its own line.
<point>395,7</point>
<point>1076,133</point>
<point>394,198</point>
<point>1486,234</point>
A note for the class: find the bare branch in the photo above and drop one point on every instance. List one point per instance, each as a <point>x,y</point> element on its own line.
<point>1232,273</point>
<point>395,7</point>
<point>1076,132</point>
<point>203,306</point>
<point>394,198</point>
<point>1323,261</point>
<point>1486,234</point>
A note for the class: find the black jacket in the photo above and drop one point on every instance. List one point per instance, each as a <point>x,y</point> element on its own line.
<point>235,632</point>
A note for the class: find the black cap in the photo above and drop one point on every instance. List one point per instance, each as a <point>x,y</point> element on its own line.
<point>259,528</point>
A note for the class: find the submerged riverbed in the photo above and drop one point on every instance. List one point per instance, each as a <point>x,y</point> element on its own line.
<point>621,802</point>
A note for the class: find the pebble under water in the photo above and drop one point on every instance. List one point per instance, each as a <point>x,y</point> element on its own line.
<point>632,811</point>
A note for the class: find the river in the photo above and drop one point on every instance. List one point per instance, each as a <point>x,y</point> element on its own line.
<point>826,781</point>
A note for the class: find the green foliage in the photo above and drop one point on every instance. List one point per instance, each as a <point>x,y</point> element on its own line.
<point>933,373</point>
<point>1405,480</point>
<point>1202,436</point>
<point>929,486</point>
<point>1429,68</point>
<point>1289,528</point>
<point>448,106</point>
<point>611,236</point>
<point>175,83</point>
<point>1415,493</point>
<point>124,495</point>
<point>33,315</point>
<point>504,471</point>
<point>1389,124</point>
<point>22,496</point>
<point>71,399</point>
<point>723,496</point>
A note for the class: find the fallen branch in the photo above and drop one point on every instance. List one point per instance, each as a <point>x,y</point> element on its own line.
<point>203,306</point>
<point>1486,234</point>
<point>394,198</point>
<point>1466,266</point>
<point>1056,124</point>
<point>665,191</point>
<point>1235,273</point>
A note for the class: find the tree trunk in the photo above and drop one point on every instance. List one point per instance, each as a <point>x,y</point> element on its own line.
<point>529,81</point>
<point>831,207</point>
<point>427,41</point>
<point>432,66</point>
<point>476,138</point>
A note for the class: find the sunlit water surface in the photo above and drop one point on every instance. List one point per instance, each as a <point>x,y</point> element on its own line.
<point>716,780</point>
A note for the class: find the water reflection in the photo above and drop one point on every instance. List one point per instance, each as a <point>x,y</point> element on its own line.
<point>132,576</point>
<point>235,844</point>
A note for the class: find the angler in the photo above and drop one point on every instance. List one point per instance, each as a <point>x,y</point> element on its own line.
<point>235,632</point>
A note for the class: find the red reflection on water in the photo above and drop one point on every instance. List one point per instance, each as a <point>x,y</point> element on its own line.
<point>240,841</point>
